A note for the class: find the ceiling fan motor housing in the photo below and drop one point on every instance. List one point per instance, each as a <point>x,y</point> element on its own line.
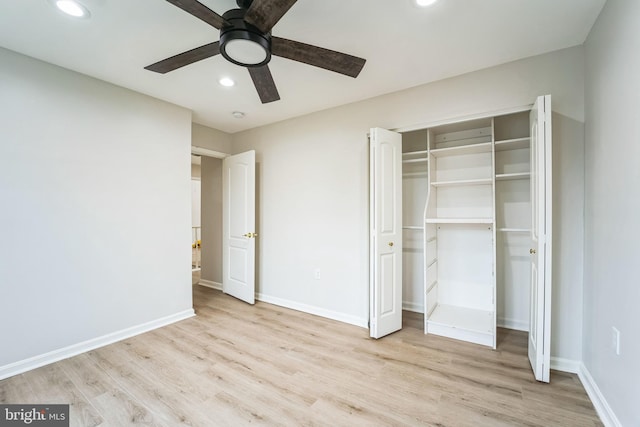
<point>244,4</point>
<point>248,36</point>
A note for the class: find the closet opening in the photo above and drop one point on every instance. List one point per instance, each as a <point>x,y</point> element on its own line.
<point>466,219</point>
<point>460,222</point>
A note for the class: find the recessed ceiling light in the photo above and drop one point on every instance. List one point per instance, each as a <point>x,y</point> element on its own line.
<point>425,3</point>
<point>226,82</point>
<point>238,114</point>
<point>72,8</point>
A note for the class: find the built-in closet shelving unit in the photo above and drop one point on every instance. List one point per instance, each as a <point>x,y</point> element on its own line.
<point>460,287</point>
<point>467,226</point>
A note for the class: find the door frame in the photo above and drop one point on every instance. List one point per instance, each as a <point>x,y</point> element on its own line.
<point>205,152</point>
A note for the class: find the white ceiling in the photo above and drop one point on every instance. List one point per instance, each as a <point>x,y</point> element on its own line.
<point>404,45</point>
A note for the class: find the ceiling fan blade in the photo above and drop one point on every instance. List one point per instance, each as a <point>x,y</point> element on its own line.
<point>263,81</point>
<point>200,11</point>
<point>185,58</point>
<point>264,14</point>
<point>317,56</point>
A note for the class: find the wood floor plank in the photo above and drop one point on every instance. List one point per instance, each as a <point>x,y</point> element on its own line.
<point>52,386</point>
<point>87,376</point>
<point>459,411</point>
<point>119,409</point>
<point>236,364</point>
<point>16,390</point>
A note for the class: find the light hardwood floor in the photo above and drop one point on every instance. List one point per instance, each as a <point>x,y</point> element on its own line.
<point>236,364</point>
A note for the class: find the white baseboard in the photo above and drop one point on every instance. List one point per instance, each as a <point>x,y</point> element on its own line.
<point>210,284</point>
<point>333,315</point>
<point>310,309</point>
<point>565,365</point>
<point>21,366</point>
<point>412,306</point>
<point>517,325</point>
<point>607,416</point>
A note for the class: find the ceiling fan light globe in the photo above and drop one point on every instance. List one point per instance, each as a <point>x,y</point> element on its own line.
<point>245,48</point>
<point>243,44</point>
<point>246,52</point>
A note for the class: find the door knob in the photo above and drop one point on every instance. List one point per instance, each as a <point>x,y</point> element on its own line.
<point>250,235</point>
<point>390,243</point>
<point>532,251</point>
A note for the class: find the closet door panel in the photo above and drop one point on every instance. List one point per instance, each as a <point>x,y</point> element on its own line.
<point>540,319</point>
<point>386,232</point>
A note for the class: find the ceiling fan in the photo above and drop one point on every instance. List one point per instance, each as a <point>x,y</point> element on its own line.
<point>246,40</point>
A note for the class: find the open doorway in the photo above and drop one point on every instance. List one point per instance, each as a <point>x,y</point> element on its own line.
<point>207,186</point>
<point>196,225</point>
<point>225,251</point>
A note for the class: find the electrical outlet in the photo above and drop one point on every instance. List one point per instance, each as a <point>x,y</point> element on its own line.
<point>316,274</point>
<point>615,340</point>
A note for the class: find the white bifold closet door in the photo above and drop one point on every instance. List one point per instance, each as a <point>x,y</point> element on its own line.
<point>386,232</point>
<point>540,302</point>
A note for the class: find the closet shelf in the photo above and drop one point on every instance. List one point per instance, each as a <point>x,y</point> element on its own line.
<point>512,144</point>
<point>415,153</point>
<point>462,182</point>
<point>413,227</point>
<point>420,160</point>
<point>484,147</point>
<point>469,319</point>
<point>459,220</point>
<point>512,176</point>
<point>414,174</point>
<point>515,230</point>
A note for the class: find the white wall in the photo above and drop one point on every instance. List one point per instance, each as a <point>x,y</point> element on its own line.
<point>211,139</point>
<point>612,208</point>
<point>93,241</point>
<point>568,237</point>
<point>314,197</point>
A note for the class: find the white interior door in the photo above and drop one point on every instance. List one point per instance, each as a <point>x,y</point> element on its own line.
<point>540,303</point>
<point>238,218</point>
<point>386,232</point>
